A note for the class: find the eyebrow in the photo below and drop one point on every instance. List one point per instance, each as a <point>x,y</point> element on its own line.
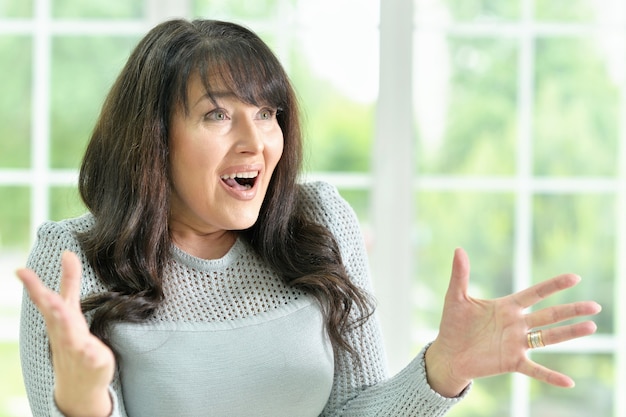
<point>213,96</point>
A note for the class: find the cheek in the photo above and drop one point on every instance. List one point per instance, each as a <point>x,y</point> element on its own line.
<point>276,148</point>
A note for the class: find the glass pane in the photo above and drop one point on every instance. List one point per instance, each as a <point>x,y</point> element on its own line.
<point>430,11</point>
<point>490,397</point>
<point>101,9</point>
<point>65,202</point>
<point>15,67</point>
<point>337,95</point>
<point>343,15</point>
<point>233,9</point>
<point>465,103</point>
<point>481,223</point>
<point>83,69</point>
<point>593,396</point>
<point>13,402</point>
<point>587,11</point>
<point>359,200</point>
<point>576,107</point>
<point>14,218</point>
<point>576,233</point>
<point>16,8</point>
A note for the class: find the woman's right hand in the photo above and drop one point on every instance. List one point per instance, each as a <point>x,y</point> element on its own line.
<point>83,365</point>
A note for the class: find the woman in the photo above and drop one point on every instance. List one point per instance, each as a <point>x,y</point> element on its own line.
<point>213,283</point>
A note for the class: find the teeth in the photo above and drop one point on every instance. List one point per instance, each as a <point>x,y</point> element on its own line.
<point>250,174</point>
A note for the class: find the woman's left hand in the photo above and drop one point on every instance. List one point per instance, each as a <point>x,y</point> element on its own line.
<point>479,338</point>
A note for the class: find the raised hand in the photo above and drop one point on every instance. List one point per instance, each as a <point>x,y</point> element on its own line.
<point>479,338</point>
<point>83,365</point>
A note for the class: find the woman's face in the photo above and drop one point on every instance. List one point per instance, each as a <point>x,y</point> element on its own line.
<point>222,156</point>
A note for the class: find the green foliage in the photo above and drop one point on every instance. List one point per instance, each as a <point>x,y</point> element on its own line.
<point>482,223</point>
<point>564,10</point>
<point>576,233</point>
<point>83,69</point>
<point>480,135</point>
<point>338,130</point>
<point>12,392</point>
<point>339,143</point>
<point>15,106</point>
<point>576,110</point>
<point>594,376</point>
<point>16,8</point>
<point>14,217</point>
<point>484,9</point>
<point>242,9</point>
<point>65,202</point>
<point>489,397</point>
<point>110,9</point>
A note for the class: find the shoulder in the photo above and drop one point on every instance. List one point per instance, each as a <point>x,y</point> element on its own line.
<point>66,229</point>
<point>53,238</point>
<point>323,203</point>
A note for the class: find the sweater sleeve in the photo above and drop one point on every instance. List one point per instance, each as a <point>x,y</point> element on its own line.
<point>45,259</point>
<point>362,388</point>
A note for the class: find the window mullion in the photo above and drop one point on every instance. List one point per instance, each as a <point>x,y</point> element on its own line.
<point>520,393</point>
<point>392,191</point>
<point>40,114</point>
<point>620,219</point>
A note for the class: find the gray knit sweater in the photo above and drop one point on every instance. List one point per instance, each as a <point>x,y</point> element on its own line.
<point>231,339</point>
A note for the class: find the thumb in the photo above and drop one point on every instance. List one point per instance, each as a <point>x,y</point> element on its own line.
<point>459,279</point>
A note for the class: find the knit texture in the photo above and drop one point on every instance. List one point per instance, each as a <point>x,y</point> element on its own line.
<point>239,287</point>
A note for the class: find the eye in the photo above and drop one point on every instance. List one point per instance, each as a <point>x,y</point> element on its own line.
<point>216,115</point>
<point>267,114</point>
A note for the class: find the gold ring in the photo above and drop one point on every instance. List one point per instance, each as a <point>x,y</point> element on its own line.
<point>535,339</point>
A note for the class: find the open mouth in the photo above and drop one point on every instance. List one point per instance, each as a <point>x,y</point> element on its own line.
<point>241,180</point>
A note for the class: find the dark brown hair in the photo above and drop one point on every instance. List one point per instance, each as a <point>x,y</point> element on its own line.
<point>125,181</point>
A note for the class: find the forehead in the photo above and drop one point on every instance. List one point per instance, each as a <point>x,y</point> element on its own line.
<point>198,91</point>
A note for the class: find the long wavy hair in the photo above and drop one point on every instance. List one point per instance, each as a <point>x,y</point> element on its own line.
<point>125,178</point>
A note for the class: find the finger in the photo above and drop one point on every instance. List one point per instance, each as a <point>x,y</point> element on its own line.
<point>48,302</point>
<point>70,278</point>
<point>541,373</point>
<point>564,333</point>
<point>538,292</point>
<point>36,290</point>
<point>459,278</point>
<point>557,314</point>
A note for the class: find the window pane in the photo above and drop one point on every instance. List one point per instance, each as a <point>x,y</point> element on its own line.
<point>16,8</point>
<point>576,107</point>
<point>109,9</point>
<point>230,9</point>
<point>14,217</point>
<point>490,397</point>
<point>13,402</point>
<point>467,10</point>
<point>65,203</point>
<point>359,200</point>
<point>465,102</point>
<point>337,96</point>
<point>576,233</point>
<point>83,70</point>
<point>575,10</point>
<point>481,223</point>
<point>593,395</point>
<point>15,67</point>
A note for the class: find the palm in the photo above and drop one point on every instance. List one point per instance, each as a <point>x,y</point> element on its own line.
<point>82,363</point>
<point>488,337</point>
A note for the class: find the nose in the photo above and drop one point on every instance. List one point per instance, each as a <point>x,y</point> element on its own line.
<point>248,137</point>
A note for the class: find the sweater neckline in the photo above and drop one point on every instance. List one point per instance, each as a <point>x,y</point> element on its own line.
<point>209,264</point>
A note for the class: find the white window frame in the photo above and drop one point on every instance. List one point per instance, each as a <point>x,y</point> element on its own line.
<point>392,209</point>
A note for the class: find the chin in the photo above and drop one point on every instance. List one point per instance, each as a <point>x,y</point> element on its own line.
<point>243,224</point>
